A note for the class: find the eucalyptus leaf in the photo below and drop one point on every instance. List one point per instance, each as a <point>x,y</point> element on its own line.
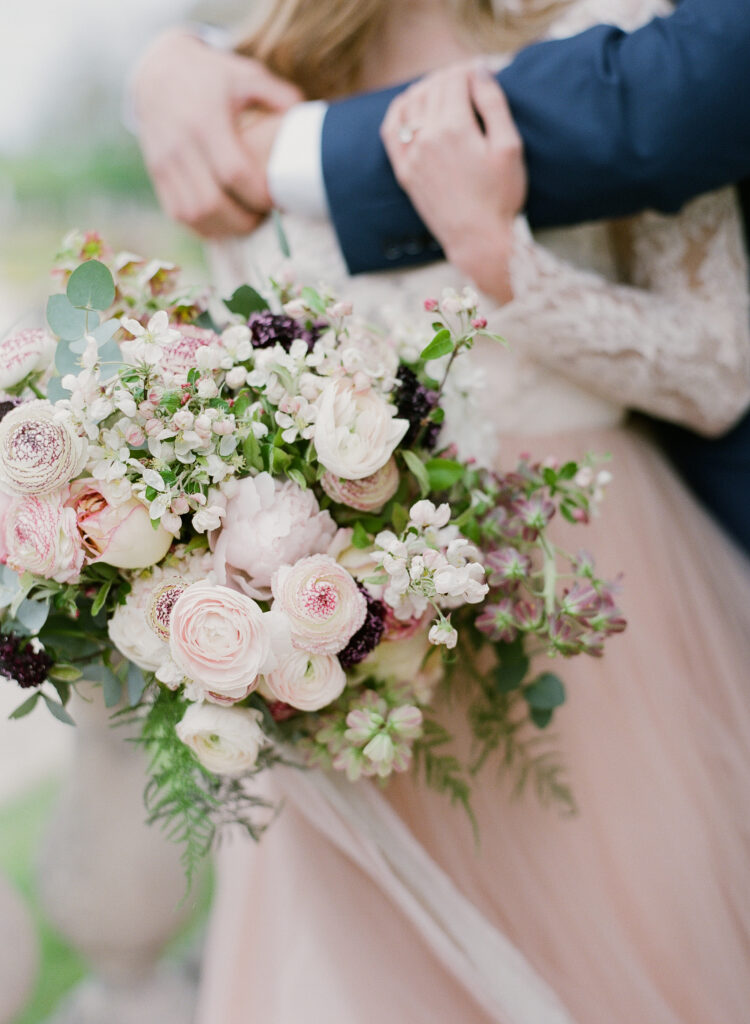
<point>55,390</point>
<point>66,360</point>
<point>136,684</point>
<point>33,614</point>
<point>545,693</point>
<point>417,468</point>
<point>91,286</point>
<point>67,322</point>
<point>111,685</point>
<point>510,675</point>
<point>58,710</point>
<point>541,717</point>
<point>105,331</point>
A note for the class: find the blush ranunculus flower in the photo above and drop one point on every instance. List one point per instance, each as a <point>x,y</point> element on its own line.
<point>356,430</point>
<point>368,494</point>
<point>226,741</point>
<point>41,537</point>
<point>221,640</point>
<point>116,532</point>
<point>322,602</point>
<point>267,524</point>
<point>307,681</point>
<point>23,353</point>
<point>6,502</point>
<point>40,449</point>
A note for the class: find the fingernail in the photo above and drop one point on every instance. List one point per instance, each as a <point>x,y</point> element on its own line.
<point>484,70</point>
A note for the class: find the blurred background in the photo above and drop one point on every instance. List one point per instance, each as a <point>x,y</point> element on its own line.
<point>68,161</point>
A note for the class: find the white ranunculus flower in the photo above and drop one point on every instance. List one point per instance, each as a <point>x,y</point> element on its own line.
<point>23,353</point>
<point>356,430</point>
<point>226,741</point>
<point>40,449</point>
<point>129,632</point>
<point>307,681</point>
<point>221,640</point>
<point>268,523</point>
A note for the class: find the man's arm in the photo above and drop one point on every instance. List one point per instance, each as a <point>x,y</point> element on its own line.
<point>612,123</point>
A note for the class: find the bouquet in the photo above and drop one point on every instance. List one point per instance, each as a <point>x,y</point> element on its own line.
<point>246,521</point>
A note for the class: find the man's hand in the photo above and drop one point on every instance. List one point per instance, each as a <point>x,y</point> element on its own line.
<point>187,100</point>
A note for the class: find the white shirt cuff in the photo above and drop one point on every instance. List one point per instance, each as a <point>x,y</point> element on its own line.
<point>295,167</point>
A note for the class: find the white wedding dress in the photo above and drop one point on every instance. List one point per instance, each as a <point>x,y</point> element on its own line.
<point>362,905</point>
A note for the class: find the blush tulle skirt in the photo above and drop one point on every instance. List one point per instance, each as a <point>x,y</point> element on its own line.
<point>368,906</point>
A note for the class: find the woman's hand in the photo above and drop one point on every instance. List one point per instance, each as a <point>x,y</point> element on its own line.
<point>467,180</point>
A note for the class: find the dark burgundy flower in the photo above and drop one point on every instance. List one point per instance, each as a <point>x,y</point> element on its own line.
<point>7,405</point>
<point>414,403</point>
<point>368,636</point>
<point>281,711</point>
<point>22,663</point>
<point>268,329</point>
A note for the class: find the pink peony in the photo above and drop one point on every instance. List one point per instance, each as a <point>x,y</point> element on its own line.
<point>41,537</point>
<point>40,449</point>
<point>267,524</point>
<point>322,602</point>
<point>117,533</point>
<point>366,495</point>
<point>307,681</point>
<point>221,640</point>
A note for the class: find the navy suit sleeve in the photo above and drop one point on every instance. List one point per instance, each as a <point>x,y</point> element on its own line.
<point>612,123</point>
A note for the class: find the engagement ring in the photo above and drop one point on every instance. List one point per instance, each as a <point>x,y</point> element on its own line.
<point>407,132</point>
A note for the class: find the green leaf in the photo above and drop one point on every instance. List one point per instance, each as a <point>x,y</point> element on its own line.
<point>283,241</point>
<point>55,390</point>
<point>545,693</point>
<point>313,300</point>
<point>399,518</point>
<point>360,536</point>
<point>510,675</point>
<point>417,468</point>
<point>440,345</point>
<point>66,360</point>
<point>91,286</point>
<point>298,476</point>
<point>251,451</point>
<point>136,684</point>
<point>245,300</point>
<point>568,471</point>
<point>27,707</point>
<point>101,597</point>
<point>58,710</point>
<point>33,614</point>
<point>444,473</point>
<point>67,322</point>
<point>110,684</point>
<point>540,717</point>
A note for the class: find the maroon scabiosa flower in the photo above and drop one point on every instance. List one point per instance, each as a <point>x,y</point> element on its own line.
<point>368,636</point>
<point>20,662</point>
<point>268,329</point>
<point>414,403</point>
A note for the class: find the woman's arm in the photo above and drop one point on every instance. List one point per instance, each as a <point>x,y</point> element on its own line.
<point>675,342</point>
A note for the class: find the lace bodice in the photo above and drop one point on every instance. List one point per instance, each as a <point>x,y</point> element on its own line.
<point>651,313</point>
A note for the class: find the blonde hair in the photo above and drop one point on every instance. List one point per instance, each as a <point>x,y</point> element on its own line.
<point>319,44</point>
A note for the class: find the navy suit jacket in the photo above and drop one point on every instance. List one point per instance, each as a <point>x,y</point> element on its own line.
<point>612,123</point>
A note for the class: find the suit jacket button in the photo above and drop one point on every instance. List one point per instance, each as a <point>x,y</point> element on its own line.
<point>393,252</point>
<point>413,247</point>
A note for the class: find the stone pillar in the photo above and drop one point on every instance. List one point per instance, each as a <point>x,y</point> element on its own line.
<point>111,884</point>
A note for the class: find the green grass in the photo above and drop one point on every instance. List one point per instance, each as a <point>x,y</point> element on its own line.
<point>22,824</point>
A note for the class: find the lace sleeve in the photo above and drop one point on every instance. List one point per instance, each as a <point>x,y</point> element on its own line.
<point>674,341</point>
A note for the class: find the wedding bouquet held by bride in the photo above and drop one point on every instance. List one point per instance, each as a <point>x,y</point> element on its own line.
<point>246,521</point>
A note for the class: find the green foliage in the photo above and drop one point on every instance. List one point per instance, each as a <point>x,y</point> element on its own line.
<point>64,319</point>
<point>245,300</point>
<point>442,770</point>
<point>444,473</point>
<point>188,802</point>
<point>415,465</point>
<point>441,345</point>
<point>91,286</point>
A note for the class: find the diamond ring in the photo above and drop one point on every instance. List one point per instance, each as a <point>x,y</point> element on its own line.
<point>407,132</point>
